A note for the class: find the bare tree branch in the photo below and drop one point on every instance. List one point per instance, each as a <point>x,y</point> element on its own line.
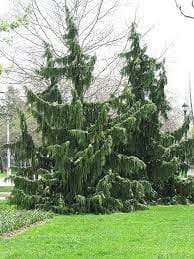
<point>182,12</point>
<point>47,24</point>
<point>94,22</point>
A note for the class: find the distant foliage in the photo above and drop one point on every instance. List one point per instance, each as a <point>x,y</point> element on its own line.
<point>9,25</point>
<point>99,157</point>
<point>20,20</point>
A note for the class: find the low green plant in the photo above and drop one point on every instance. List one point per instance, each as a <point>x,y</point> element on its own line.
<point>12,219</point>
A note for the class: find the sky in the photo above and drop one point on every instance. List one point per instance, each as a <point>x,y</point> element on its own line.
<point>5,5</point>
<point>170,30</point>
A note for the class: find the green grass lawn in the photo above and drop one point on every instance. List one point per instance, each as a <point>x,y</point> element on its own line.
<point>161,232</point>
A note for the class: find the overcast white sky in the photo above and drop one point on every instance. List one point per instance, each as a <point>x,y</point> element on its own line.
<point>170,29</point>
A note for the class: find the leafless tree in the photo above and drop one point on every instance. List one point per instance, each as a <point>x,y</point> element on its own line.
<point>97,34</point>
<point>174,121</point>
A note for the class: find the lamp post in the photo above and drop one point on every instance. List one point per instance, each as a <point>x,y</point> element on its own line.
<point>8,149</point>
<point>185,110</point>
<point>8,119</point>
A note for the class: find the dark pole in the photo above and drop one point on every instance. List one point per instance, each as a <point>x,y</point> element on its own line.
<point>185,117</point>
<point>185,109</point>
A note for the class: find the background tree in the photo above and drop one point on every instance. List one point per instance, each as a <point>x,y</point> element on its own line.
<point>8,25</point>
<point>10,103</point>
<point>9,106</point>
<point>97,32</point>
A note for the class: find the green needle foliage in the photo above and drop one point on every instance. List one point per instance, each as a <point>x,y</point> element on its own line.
<point>98,156</point>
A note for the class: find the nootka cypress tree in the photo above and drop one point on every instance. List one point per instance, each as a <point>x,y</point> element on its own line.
<point>97,156</point>
<point>165,154</point>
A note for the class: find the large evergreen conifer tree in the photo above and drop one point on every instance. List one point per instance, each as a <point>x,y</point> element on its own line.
<point>165,154</point>
<point>97,156</point>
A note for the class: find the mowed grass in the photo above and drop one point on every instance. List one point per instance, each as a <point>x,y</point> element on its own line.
<point>161,232</point>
